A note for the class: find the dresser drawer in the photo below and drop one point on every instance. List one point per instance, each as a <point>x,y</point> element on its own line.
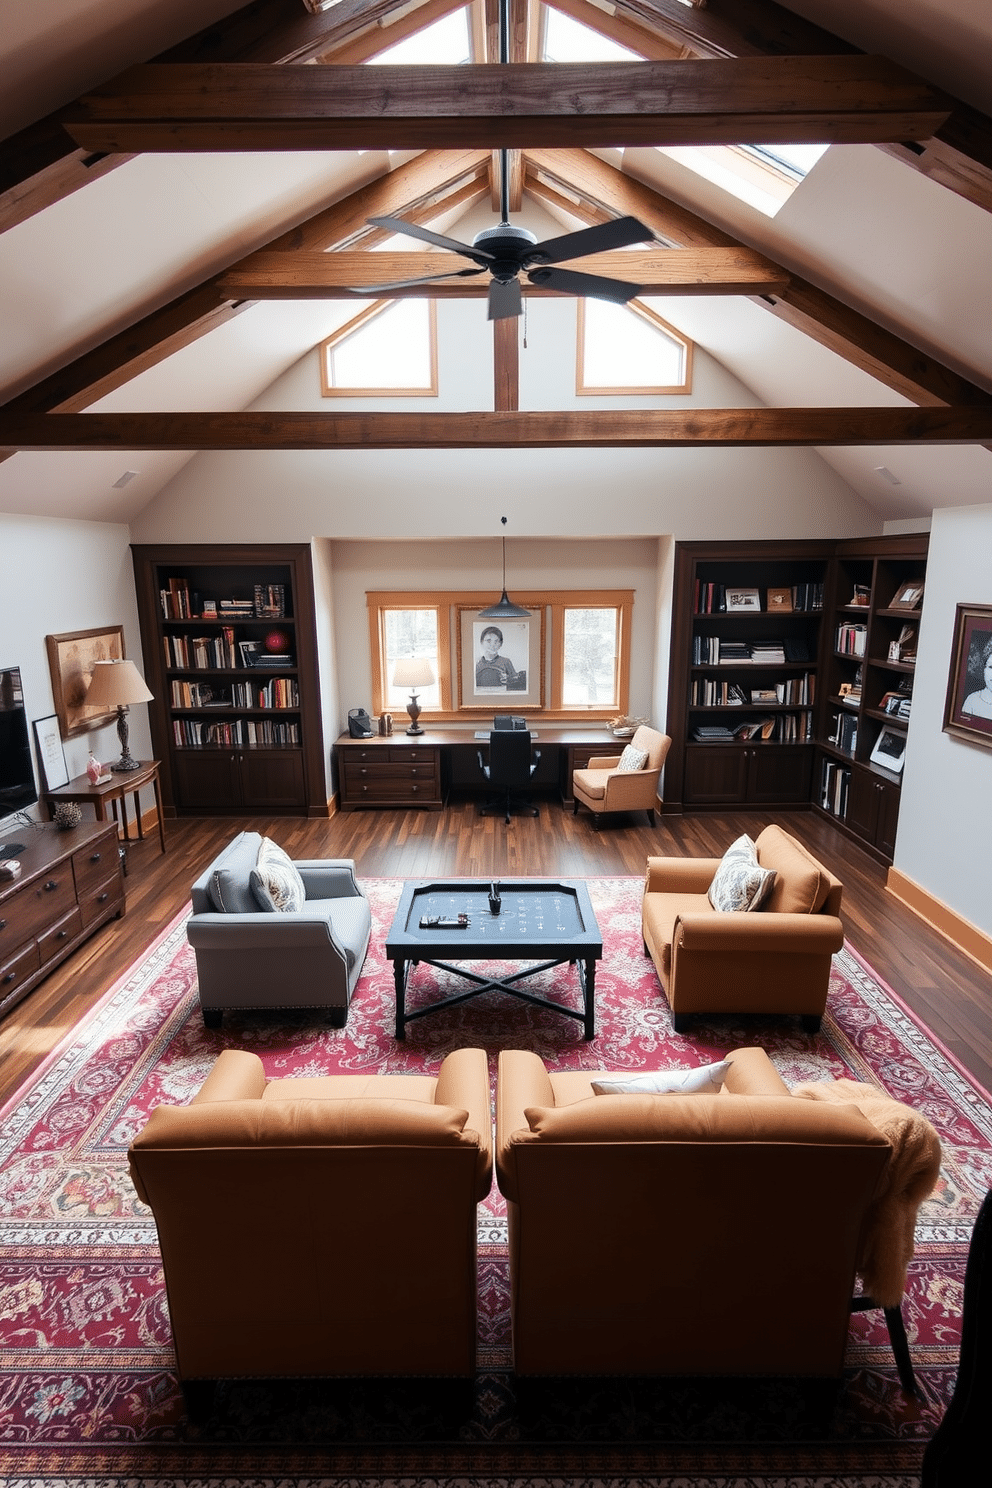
<point>33,908</point>
<point>363,774</point>
<point>96,901</point>
<point>58,937</point>
<point>17,970</point>
<point>412,754</point>
<point>393,789</point>
<point>94,864</point>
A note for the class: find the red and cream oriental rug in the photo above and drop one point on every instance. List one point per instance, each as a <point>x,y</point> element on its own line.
<point>87,1389</point>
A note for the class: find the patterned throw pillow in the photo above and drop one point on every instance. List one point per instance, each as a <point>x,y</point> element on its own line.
<point>706,1080</point>
<point>275,881</point>
<point>632,759</point>
<point>740,883</point>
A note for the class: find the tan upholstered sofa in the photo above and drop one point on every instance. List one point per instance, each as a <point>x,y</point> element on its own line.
<point>691,1234</point>
<point>772,960</point>
<point>321,1226</point>
<point>604,787</point>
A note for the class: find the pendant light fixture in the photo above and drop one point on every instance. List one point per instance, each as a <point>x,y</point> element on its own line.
<point>504,609</point>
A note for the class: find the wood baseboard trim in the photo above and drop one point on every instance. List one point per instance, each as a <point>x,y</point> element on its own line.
<point>940,917</point>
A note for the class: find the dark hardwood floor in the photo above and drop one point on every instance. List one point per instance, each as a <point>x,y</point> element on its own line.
<point>951,993</point>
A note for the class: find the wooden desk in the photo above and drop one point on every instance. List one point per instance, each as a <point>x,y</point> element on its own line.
<point>419,770</point>
<point>117,788</point>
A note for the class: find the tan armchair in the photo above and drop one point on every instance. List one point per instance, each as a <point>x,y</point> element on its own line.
<point>772,960</point>
<point>696,1234</point>
<point>603,787</point>
<point>320,1226</point>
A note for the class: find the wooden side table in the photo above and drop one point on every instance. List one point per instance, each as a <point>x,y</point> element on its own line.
<point>117,788</point>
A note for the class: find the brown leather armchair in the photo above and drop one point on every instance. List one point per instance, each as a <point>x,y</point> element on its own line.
<point>603,787</point>
<point>279,1208</point>
<point>687,1234</point>
<point>772,960</point>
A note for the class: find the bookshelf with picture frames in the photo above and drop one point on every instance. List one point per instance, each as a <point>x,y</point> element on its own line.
<point>744,675</point>
<point>876,604</point>
<point>228,639</point>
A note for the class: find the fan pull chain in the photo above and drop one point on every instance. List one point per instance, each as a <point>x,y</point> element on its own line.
<point>525,322</point>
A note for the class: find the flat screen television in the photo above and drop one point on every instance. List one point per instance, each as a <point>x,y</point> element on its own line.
<point>17,782</point>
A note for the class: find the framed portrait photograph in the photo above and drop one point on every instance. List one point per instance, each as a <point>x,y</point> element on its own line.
<point>968,709</point>
<point>500,662</point>
<point>743,599</point>
<point>51,755</point>
<point>71,659</point>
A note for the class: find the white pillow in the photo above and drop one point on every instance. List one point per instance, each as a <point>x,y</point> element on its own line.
<point>632,759</point>
<point>706,1080</point>
<point>740,883</point>
<point>275,880</point>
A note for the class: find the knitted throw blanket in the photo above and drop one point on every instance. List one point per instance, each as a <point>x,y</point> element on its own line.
<point>909,1178</point>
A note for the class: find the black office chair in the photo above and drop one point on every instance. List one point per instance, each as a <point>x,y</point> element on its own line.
<point>511,764</point>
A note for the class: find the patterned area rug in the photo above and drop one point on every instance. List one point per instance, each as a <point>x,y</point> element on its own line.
<point>87,1387</point>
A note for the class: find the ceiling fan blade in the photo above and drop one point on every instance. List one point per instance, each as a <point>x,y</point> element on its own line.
<point>505,300</point>
<point>378,289</point>
<point>617,234</point>
<point>396,224</point>
<point>595,286</point>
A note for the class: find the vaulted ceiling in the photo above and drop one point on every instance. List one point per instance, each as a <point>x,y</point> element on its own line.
<point>166,228</point>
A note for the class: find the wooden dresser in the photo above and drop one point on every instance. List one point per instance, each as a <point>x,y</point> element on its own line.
<point>71,883</point>
<point>387,772</point>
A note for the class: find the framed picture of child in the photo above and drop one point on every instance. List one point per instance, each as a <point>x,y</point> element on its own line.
<point>968,710</point>
<point>499,661</point>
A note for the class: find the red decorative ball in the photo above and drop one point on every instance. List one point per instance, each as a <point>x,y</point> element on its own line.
<point>277,641</point>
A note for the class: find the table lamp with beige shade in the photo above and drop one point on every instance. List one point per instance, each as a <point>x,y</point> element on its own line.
<point>118,684</point>
<point>413,672</point>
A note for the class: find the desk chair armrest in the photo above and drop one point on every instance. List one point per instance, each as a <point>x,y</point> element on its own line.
<point>680,875</point>
<point>802,934</point>
<point>329,878</point>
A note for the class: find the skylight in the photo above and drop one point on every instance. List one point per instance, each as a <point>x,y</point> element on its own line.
<point>629,349</point>
<point>389,349</point>
<point>764,176</point>
<point>447,41</point>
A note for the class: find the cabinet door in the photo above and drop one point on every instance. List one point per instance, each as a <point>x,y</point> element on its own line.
<point>206,780</point>
<point>272,778</point>
<point>862,805</point>
<point>779,774</point>
<point>888,817</point>
<point>714,774</point>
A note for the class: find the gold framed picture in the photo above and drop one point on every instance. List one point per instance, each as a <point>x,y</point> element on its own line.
<point>71,659</point>
<point>780,600</point>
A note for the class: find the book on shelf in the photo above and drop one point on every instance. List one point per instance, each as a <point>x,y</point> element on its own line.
<point>271,659</point>
<point>807,596</point>
<point>175,600</point>
<point>835,783</point>
<point>796,649</point>
<point>851,639</point>
<point>844,732</point>
<point>734,652</point>
<point>768,653</point>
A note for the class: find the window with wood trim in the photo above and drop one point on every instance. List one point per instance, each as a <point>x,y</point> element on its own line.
<point>387,350</point>
<point>582,652</point>
<point>623,349</point>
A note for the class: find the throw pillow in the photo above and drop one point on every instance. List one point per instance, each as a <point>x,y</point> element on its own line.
<point>632,759</point>
<point>275,881</point>
<point>706,1080</point>
<point>740,883</point>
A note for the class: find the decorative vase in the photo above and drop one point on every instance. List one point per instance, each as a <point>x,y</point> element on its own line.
<point>67,815</point>
<point>93,769</point>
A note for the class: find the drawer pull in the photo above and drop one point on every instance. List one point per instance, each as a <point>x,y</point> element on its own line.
<point>95,857</point>
<point>62,935</point>
<point>102,898</point>
<point>3,924</point>
<point>9,977</point>
<point>51,885</point>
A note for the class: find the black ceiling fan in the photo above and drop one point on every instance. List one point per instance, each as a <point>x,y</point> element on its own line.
<point>505,252</point>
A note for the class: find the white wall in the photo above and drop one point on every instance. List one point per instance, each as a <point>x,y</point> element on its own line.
<point>945,817</point>
<point>57,576</point>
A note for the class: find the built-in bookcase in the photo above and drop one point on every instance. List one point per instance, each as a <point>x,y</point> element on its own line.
<point>230,655</point>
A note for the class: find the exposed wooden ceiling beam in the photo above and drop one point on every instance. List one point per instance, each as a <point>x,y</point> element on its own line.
<point>387,31</point>
<point>295,276</point>
<point>427,179</point>
<point>238,106</point>
<point>958,157</point>
<point>40,164</point>
<point>506,365</point>
<point>620,428</point>
<point>877,351</point>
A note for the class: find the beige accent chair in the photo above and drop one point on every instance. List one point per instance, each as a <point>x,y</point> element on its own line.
<point>689,1234</point>
<point>772,960</point>
<point>321,1226</point>
<point>603,787</point>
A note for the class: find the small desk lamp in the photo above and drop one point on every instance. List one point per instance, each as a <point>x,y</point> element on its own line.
<point>414,672</point>
<point>117,684</point>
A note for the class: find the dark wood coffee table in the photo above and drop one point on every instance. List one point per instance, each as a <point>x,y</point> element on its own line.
<point>536,920</point>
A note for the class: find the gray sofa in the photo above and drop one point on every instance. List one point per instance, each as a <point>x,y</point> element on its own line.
<point>247,957</point>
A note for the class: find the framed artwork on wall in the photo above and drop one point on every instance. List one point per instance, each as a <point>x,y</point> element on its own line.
<point>71,659</point>
<point>51,755</point>
<point>968,709</point>
<point>500,663</point>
